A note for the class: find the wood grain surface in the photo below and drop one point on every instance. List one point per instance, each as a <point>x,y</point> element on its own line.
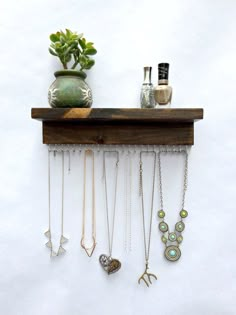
<point>118,126</point>
<point>117,114</point>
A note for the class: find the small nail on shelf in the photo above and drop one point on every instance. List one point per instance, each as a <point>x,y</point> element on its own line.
<point>128,126</point>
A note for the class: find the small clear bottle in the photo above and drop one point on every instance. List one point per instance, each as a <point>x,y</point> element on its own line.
<point>163,92</point>
<point>147,96</point>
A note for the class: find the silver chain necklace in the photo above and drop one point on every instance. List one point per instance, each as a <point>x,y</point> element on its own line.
<point>48,233</point>
<point>128,203</point>
<point>89,249</point>
<point>172,252</point>
<point>147,279</point>
<point>109,264</point>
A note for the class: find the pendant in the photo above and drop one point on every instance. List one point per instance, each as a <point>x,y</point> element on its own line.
<point>172,253</point>
<point>148,275</point>
<point>109,264</point>
<point>89,250</point>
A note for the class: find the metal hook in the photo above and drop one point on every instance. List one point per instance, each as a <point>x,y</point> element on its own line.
<point>104,157</point>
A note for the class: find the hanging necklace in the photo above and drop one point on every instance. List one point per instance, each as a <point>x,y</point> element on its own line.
<point>128,203</point>
<point>48,233</point>
<point>148,275</point>
<point>89,249</point>
<point>172,252</point>
<point>109,264</point>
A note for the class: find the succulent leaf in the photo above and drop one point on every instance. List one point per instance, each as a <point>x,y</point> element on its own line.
<point>52,52</point>
<point>90,51</point>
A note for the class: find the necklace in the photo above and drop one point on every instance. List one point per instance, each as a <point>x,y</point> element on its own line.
<point>89,249</point>
<point>172,252</point>
<point>48,233</point>
<point>109,264</point>
<point>148,275</point>
<point>128,203</point>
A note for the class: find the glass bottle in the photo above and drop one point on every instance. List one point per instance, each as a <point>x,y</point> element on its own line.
<point>163,92</point>
<point>147,97</point>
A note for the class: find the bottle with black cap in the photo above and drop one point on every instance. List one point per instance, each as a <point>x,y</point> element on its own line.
<point>147,96</point>
<point>163,92</point>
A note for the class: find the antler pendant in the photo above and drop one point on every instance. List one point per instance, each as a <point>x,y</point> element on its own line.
<point>146,277</point>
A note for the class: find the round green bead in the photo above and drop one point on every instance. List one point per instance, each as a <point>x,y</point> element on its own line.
<point>172,253</point>
<point>180,239</point>
<point>183,213</point>
<point>163,227</point>
<point>164,239</point>
<point>179,226</point>
<point>172,237</point>
<point>161,214</point>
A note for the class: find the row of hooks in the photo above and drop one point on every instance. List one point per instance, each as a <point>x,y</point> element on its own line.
<point>128,149</point>
<point>73,148</point>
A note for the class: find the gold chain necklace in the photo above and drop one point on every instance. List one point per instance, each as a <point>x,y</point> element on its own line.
<point>89,249</point>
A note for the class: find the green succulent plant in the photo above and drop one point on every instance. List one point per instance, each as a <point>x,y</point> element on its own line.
<point>69,46</point>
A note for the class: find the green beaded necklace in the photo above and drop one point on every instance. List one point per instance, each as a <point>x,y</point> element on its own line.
<point>172,240</point>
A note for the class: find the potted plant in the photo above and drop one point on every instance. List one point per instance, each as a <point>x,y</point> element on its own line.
<point>70,89</point>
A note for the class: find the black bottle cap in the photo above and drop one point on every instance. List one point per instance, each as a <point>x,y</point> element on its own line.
<point>163,71</point>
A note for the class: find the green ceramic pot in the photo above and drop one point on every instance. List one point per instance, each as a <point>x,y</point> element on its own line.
<point>70,90</point>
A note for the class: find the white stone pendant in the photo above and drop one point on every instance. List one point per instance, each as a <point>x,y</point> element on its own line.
<point>49,244</point>
<point>63,239</point>
<point>61,251</point>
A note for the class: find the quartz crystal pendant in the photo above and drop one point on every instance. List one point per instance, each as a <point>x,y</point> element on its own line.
<point>63,239</point>
<point>49,244</point>
<point>48,234</point>
<point>61,251</point>
<point>53,254</point>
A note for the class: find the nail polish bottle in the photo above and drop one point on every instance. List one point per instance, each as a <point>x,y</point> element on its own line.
<point>163,92</point>
<point>147,96</point>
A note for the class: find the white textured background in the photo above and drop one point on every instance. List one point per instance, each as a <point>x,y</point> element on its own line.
<point>198,39</point>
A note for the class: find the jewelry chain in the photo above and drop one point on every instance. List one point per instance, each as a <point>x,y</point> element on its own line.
<point>128,203</point>
<point>185,185</point>
<point>147,246</point>
<point>62,194</point>
<point>49,191</point>
<point>48,233</point>
<point>110,235</point>
<point>87,152</point>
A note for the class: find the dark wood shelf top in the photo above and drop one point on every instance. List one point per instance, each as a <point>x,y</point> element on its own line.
<point>118,114</point>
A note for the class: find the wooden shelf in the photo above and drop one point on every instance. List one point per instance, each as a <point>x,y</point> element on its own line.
<point>118,125</point>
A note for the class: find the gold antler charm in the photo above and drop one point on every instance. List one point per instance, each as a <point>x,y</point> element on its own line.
<point>148,278</point>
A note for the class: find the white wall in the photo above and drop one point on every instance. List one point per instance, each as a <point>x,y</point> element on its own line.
<point>198,39</point>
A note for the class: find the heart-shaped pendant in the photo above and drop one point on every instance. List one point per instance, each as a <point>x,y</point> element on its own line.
<point>109,264</point>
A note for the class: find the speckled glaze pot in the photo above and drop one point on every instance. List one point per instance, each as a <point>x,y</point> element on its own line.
<point>70,90</point>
